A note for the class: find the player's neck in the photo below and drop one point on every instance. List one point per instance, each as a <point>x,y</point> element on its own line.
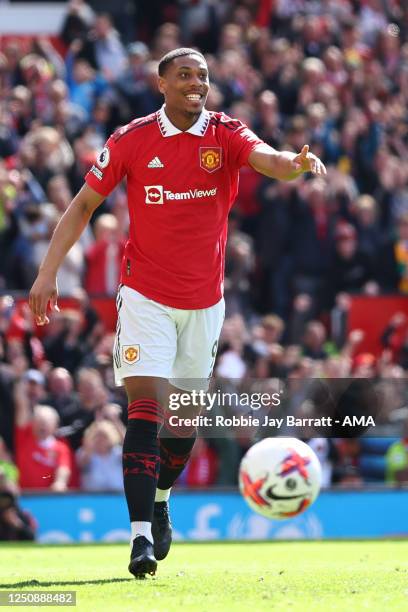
<point>181,120</point>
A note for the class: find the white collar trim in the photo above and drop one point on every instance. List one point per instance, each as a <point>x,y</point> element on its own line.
<point>199,128</point>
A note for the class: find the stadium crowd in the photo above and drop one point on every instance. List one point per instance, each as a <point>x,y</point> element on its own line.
<point>333,74</point>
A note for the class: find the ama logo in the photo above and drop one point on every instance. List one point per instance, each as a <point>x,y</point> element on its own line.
<point>154,194</point>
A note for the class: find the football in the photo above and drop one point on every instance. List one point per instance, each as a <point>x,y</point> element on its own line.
<point>280,477</point>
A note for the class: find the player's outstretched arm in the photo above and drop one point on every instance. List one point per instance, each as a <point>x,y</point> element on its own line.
<point>284,165</point>
<point>67,232</point>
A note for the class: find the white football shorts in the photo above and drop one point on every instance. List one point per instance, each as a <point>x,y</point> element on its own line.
<point>157,340</point>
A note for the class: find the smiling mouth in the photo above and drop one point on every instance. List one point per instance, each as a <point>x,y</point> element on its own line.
<point>194,97</point>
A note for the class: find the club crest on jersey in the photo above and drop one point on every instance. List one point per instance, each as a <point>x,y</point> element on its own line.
<point>210,158</point>
<point>154,194</point>
<point>103,157</point>
<point>131,354</point>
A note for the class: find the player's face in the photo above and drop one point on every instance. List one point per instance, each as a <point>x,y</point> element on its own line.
<point>185,84</point>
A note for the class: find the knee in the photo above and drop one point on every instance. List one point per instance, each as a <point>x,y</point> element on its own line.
<point>182,428</point>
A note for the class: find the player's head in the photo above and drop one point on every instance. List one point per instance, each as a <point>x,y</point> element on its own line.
<point>183,80</point>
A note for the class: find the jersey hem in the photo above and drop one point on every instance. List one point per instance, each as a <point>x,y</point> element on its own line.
<point>170,303</point>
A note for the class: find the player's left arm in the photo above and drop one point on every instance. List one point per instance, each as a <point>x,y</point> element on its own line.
<point>285,165</point>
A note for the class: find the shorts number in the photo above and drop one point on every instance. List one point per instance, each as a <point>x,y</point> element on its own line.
<point>213,355</point>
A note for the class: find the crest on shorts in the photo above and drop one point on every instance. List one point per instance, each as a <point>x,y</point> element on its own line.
<point>131,354</point>
<point>210,158</point>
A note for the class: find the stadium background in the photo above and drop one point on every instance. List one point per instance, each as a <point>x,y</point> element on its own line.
<point>316,271</point>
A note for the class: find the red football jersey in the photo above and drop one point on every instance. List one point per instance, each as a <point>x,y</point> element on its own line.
<point>38,463</point>
<point>181,186</point>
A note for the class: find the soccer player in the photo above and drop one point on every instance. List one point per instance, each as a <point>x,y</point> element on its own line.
<point>181,164</point>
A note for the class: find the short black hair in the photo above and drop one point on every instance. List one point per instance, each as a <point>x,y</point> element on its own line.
<point>171,55</point>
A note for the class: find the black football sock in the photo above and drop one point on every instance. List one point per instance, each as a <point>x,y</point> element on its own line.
<point>141,458</point>
<point>175,452</point>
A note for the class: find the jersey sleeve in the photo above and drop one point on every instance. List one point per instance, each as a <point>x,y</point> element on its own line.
<point>241,144</point>
<point>109,168</point>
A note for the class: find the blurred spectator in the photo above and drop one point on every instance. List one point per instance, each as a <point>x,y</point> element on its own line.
<point>62,113</point>
<point>70,272</point>
<point>66,349</point>
<point>239,265</point>
<point>167,37</point>
<point>100,458</point>
<point>322,448</point>
<point>200,23</point>
<point>100,358</point>
<point>272,245</point>
<point>36,75</point>
<point>44,462</point>
<point>351,269</point>
<point>59,193</point>
<point>13,51</point>
<point>15,523</point>
<point>138,92</point>
<point>92,326</point>
<point>21,109</point>
<point>77,22</point>
<point>269,118</point>
<point>34,387</point>
<point>347,472</point>
<point>6,401</point>
<point>395,338</point>
<point>314,340</point>
<point>104,257</point>
<point>8,471</point>
<point>115,415</point>
<point>268,333</point>
<point>393,259</point>
<point>396,459</point>
<point>103,48</point>
<point>364,365</point>
<point>46,152</point>
<point>233,342</point>
<point>91,398</point>
<point>365,212</point>
<point>311,241</point>
<point>371,20</point>
<point>60,390</point>
<point>85,85</point>
<point>201,470</point>
<point>131,81</point>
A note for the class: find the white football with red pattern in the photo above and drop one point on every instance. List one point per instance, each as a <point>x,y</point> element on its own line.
<point>280,477</point>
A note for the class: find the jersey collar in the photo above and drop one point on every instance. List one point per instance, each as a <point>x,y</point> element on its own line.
<point>199,128</point>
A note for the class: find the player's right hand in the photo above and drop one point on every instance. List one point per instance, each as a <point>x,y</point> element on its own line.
<point>43,291</point>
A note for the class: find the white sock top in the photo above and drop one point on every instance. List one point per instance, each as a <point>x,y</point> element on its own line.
<point>162,495</point>
<point>141,528</point>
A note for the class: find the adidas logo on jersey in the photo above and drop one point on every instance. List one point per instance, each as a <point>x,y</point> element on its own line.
<point>155,163</point>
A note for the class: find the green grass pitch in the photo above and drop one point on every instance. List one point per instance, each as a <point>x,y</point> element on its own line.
<point>232,577</point>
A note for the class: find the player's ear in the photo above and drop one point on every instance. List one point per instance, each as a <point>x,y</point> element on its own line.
<point>161,81</point>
